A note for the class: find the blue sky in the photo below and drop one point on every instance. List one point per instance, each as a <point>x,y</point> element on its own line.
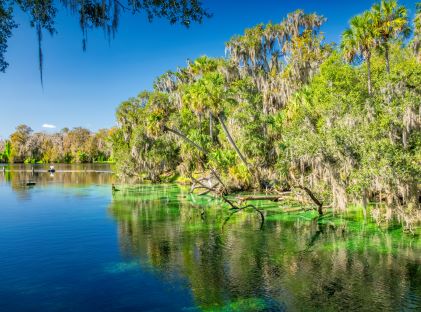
<point>84,88</point>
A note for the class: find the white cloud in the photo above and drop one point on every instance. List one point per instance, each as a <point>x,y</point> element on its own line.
<point>48,126</point>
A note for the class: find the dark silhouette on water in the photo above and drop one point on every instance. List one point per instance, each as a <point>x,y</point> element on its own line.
<point>114,189</point>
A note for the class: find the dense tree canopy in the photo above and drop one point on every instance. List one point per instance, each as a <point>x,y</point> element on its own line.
<point>284,111</point>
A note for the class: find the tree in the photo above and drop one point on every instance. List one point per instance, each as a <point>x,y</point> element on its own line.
<point>76,145</point>
<point>286,113</point>
<point>101,147</point>
<point>5,150</point>
<point>362,151</point>
<point>390,24</point>
<point>264,52</point>
<point>18,140</point>
<point>139,146</point>
<point>6,26</point>
<point>358,42</point>
<point>416,43</point>
<point>210,94</point>
<point>92,14</point>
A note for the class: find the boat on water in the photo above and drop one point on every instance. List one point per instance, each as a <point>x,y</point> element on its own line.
<point>52,169</point>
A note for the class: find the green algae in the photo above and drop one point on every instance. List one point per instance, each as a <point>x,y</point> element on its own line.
<point>240,305</point>
<point>319,263</point>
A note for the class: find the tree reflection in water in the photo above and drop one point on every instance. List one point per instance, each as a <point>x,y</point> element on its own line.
<point>75,175</point>
<point>294,263</point>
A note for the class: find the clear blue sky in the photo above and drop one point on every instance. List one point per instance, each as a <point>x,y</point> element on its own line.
<point>84,88</point>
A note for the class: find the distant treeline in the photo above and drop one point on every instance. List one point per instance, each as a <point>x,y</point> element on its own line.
<point>78,145</point>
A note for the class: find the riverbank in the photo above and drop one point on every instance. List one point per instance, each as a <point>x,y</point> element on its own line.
<point>286,209</point>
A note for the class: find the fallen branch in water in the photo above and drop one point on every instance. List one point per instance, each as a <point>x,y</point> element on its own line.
<point>234,208</point>
<point>313,198</point>
<point>299,209</point>
<point>274,198</point>
<point>201,185</point>
<point>238,209</point>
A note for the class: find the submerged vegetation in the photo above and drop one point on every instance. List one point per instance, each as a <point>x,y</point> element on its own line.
<point>294,263</point>
<point>284,111</point>
<point>78,145</point>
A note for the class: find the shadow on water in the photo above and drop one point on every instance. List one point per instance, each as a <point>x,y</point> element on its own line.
<point>293,263</point>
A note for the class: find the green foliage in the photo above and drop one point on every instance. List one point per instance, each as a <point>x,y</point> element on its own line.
<point>5,151</point>
<point>76,145</point>
<point>390,25</point>
<point>82,157</point>
<point>29,161</point>
<point>6,26</point>
<point>286,110</point>
<point>222,159</point>
<point>359,147</point>
<point>138,145</point>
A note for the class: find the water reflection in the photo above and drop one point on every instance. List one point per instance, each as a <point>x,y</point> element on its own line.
<point>23,179</point>
<point>293,264</point>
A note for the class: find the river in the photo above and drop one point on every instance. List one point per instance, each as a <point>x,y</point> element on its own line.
<point>69,243</point>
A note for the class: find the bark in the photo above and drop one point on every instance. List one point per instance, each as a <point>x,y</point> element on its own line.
<point>201,185</point>
<point>204,193</point>
<point>236,209</point>
<point>261,197</point>
<point>313,198</point>
<point>224,190</point>
<point>231,141</point>
<point>185,138</point>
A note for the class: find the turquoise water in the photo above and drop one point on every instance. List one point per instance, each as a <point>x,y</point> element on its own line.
<point>69,244</point>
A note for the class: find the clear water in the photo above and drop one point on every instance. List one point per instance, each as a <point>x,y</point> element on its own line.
<point>69,244</point>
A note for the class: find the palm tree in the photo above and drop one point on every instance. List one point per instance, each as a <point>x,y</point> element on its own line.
<point>358,41</point>
<point>210,94</point>
<point>417,32</point>
<point>390,23</point>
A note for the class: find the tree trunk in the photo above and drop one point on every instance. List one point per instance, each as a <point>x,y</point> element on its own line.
<point>318,203</point>
<point>274,198</point>
<point>369,73</point>
<point>185,138</point>
<point>231,141</point>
